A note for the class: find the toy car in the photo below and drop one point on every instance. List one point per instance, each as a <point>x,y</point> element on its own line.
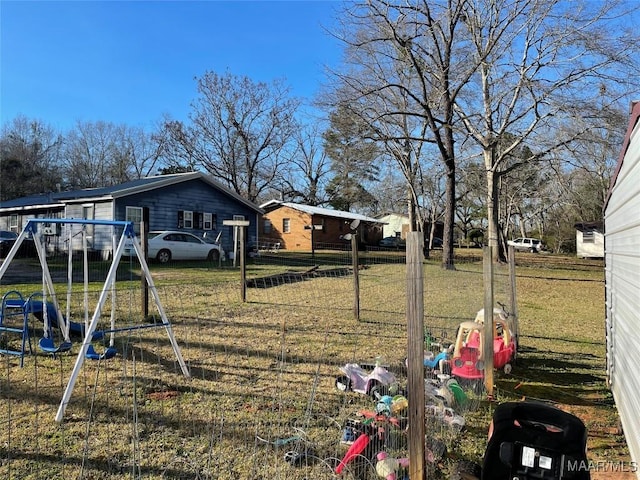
<point>502,322</point>
<point>505,344</point>
<point>468,357</point>
<point>437,363</point>
<point>375,383</point>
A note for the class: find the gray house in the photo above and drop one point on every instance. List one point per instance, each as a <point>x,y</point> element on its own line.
<point>622,284</point>
<point>192,202</point>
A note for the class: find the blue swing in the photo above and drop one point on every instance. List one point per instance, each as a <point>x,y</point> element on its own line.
<point>47,345</point>
<point>92,354</point>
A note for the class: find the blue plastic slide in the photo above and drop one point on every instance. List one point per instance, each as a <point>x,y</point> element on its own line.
<point>35,307</point>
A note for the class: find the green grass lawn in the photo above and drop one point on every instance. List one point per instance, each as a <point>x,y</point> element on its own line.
<point>265,368</point>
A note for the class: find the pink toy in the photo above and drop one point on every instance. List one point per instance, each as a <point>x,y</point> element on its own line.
<point>376,383</point>
<point>387,466</point>
<point>356,449</point>
<point>468,356</point>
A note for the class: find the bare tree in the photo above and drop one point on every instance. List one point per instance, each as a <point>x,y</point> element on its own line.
<point>101,153</point>
<point>406,61</point>
<point>239,131</point>
<point>138,154</point>
<point>541,66</point>
<point>90,155</point>
<point>304,177</point>
<point>29,158</point>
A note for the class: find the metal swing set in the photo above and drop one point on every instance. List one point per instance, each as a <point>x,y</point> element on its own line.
<point>88,328</point>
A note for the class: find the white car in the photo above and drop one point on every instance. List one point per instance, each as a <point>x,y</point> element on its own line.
<point>533,245</point>
<point>175,245</point>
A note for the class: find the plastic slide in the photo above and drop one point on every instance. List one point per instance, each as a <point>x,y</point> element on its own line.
<point>35,307</point>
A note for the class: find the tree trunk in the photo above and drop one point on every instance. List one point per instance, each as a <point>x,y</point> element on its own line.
<point>449,217</point>
<point>492,208</point>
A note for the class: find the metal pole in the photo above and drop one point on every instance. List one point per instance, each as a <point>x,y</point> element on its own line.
<point>144,245</point>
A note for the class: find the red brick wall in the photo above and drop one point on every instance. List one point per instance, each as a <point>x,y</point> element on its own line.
<point>299,237</point>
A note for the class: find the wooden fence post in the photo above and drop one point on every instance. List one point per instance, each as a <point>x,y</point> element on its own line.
<point>513,297</point>
<point>355,264</point>
<point>239,228</point>
<point>415,355</point>
<point>487,341</point>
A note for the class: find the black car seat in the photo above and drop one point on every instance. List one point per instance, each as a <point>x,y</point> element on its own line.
<point>531,440</point>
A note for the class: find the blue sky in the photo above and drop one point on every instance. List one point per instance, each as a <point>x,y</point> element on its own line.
<point>131,62</point>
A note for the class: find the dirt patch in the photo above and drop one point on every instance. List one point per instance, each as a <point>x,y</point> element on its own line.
<point>163,395</point>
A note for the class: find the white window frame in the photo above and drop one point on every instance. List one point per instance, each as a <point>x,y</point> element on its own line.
<point>187,219</point>
<point>89,213</point>
<point>207,221</point>
<point>13,223</point>
<point>286,225</point>
<point>136,218</point>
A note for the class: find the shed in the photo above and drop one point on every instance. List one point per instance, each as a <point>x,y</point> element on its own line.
<point>192,202</point>
<point>296,226</point>
<point>622,284</point>
<point>590,240</point>
<point>395,225</point>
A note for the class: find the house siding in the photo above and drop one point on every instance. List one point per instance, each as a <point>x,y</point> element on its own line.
<point>396,225</point>
<point>164,196</point>
<point>593,249</point>
<point>298,238</point>
<point>329,236</point>
<point>23,217</point>
<point>196,196</point>
<point>622,278</point>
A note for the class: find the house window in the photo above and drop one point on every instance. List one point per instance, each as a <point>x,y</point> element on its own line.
<point>267,226</point>
<point>286,225</point>
<point>185,219</point>
<point>13,223</point>
<point>134,215</point>
<point>188,219</point>
<point>588,237</point>
<point>208,221</point>
<point>87,214</point>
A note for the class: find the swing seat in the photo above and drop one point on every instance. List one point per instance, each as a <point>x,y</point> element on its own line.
<point>47,346</point>
<point>92,354</point>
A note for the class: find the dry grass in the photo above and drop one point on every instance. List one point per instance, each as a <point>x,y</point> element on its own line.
<point>266,369</point>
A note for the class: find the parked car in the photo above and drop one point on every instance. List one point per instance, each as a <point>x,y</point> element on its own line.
<point>436,242</point>
<point>8,238</point>
<point>173,245</point>
<point>533,245</point>
<point>392,242</point>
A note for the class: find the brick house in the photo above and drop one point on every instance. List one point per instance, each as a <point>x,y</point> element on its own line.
<point>295,226</point>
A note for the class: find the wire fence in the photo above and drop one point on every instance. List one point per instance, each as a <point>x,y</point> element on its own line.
<point>281,385</point>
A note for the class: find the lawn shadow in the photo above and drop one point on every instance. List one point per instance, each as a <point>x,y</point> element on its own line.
<point>569,378</point>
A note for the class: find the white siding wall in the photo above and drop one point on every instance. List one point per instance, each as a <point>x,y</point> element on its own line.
<point>100,237</point>
<point>622,273</point>
<point>593,249</point>
<point>394,224</point>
